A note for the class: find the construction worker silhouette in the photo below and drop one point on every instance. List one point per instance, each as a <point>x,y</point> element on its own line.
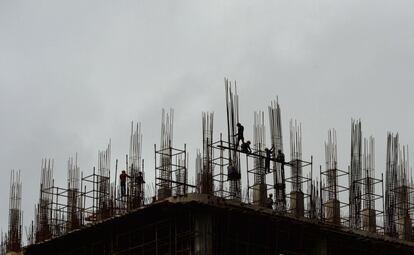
<point>268,158</point>
<point>281,159</point>
<point>232,173</point>
<point>240,134</point>
<point>123,176</point>
<point>269,201</point>
<point>140,178</point>
<point>245,147</point>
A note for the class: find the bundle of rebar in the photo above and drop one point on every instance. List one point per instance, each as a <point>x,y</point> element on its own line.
<point>368,181</point>
<point>331,165</point>
<point>206,176</point>
<point>355,175</point>
<point>391,184</point>
<point>403,192</point>
<point>369,173</point>
<point>14,234</point>
<point>198,170</point>
<point>314,205</point>
<point>259,138</point>
<point>332,204</point>
<point>296,193</point>
<point>74,200</point>
<point>232,105</point>
<point>44,210</point>
<point>136,168</point>
<point>103,200</point>
<point>275,121</point>
<point>181,175</point>
<point>166,144</point>
<point>296,154</point>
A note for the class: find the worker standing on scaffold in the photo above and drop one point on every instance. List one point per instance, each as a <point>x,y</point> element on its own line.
<point>122,177</point>
<point>281,159</point>
<point>240,134</point>
<point>269,201</point>
<point>268,158</point>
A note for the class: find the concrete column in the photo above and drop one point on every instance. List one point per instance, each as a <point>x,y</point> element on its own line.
<point>297,203</point>
<point>369,222</point>
<point>404,228</point>
<point>333,214</point>
<point>259,194</point>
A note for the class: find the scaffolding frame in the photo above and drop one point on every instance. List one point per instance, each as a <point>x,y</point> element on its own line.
<point>60,211</point>
<point>165,183</point>
<point>373,197</point>
<point>221,181</point>
<point>98,204</point>
<point>340,189</point>
<point>254,173</point>
<point>302,181</point>
<point>406,207</point>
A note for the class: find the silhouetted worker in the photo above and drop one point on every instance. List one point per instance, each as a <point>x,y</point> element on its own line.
<point>123,176</point>
<point>268,158</point>
<point>140,178</point>
<point>281,158</point>
<point>240,134</point>
<point>232,172</point>
<point>269,201</point>
<point>245,147</point>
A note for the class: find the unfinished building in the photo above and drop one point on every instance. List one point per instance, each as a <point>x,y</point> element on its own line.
<point>244,200</point>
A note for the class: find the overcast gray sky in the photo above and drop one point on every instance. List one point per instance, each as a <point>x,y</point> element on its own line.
<point>75,73</point>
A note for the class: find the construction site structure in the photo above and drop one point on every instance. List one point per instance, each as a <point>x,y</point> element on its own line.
<point>247,196</point>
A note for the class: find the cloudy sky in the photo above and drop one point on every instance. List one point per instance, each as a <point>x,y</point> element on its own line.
<point>73,74</point>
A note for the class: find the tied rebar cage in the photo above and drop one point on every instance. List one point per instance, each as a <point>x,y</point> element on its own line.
<point>234,136</point>
<point>275,121</point>
<point>136,169</point>
<point>297,178</point>
<point>403,194</point>
<point>220,163</point>
<point>206,167</point>
<point>97,204</point>
<point>355,175</point>
<point>331,188</point>
<point>14,234</point>
<point>171,177</point>
<point>259,137</point>
<point>391,185</point>
<point>43,208</point>
<point>314,205</point>
<point>104,164</point>
<point>370,214</point>
<point>74,200</point>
